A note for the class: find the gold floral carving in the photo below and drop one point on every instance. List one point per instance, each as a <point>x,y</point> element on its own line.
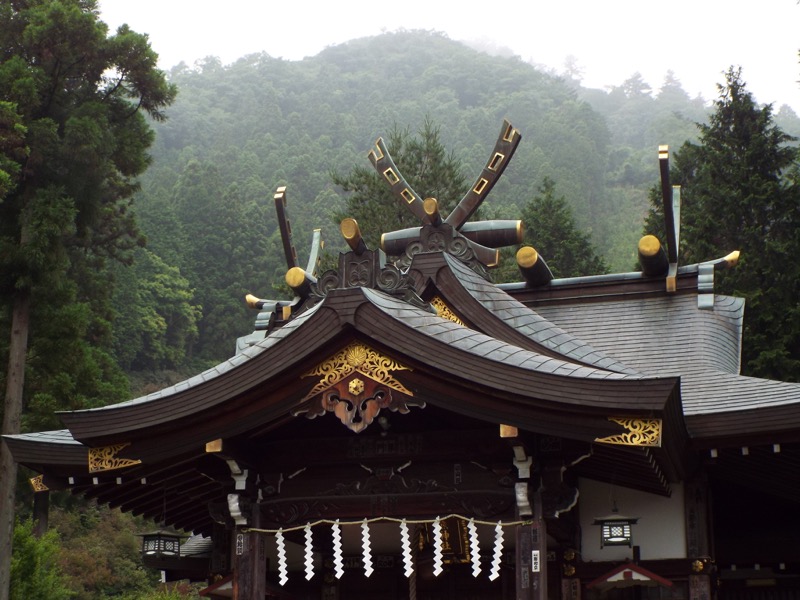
<point>445,311</point>
<point>356,386</point>
<point>356,358</point>
<point>37,483</point>
<point>641,432</point>
<point>105,459</point>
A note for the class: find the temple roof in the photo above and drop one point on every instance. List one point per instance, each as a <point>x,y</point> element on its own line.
<point>503,364</point>
<point>625,372</point>
<point>670,335</point>
<point>467,356</point>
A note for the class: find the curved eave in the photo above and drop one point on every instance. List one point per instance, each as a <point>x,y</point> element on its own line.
<point>262,367</point>
<point>460,369</point>
<point>54,451</point>
<point>736,428</point>
<point>727,409</point>
<point>472,359</point>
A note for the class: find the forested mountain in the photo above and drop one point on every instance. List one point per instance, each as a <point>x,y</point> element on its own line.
<point>238,131</point>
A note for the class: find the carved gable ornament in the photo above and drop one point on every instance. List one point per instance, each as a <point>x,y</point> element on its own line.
<point>106,459</point>
<point>639,432</point>
<point>355,384</point>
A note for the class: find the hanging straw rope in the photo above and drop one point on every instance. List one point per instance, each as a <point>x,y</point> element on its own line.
<point>385,520</point>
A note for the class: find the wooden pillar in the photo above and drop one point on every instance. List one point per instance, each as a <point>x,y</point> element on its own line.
<point>249,561</point>
<point>696,501</point>
<point>41,513</point>
<point>531,567</point>
<point>221,536</point>
<point>698,536</point>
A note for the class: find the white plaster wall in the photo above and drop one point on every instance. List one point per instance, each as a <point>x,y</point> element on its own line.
<point>660,533</point>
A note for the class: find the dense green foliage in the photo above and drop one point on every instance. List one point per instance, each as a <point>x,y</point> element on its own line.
<point>74,134</point>
<point>74,139</point>
<point>740,191</point>
<point>552,231</point>
<point>99,555</point>
<point>35,570</point>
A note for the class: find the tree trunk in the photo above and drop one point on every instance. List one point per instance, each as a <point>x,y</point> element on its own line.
<point>18,348</point>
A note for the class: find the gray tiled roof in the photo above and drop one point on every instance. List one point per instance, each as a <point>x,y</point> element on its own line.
<point>535,325</point>
<point>479,344</point>
<point>672,336</point>
<point>707,392</point>
<point>60,436</point>
<point>664,334</point>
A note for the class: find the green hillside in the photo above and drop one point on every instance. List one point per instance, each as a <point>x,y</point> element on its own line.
<point>238,131</point>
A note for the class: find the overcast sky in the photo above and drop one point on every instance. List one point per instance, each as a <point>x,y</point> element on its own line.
<point>611,40</point>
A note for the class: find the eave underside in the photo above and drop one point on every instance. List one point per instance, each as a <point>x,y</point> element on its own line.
<point>319,469</point>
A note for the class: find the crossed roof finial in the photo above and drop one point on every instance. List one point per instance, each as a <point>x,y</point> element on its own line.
<point>504,149</point>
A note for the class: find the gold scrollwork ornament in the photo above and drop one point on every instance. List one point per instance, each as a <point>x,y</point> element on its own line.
<point>640,432</point>
<point>445,311</point>
<point>356,358</point>
<point>37,483</point>
<point>105,459</point>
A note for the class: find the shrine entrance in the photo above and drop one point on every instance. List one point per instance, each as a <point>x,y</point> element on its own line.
<point>403,510</point>
<point>419,571</point>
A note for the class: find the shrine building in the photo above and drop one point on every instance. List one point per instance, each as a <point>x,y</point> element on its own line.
<point>403,428</point>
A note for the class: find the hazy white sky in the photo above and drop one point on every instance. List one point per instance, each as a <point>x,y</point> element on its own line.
<point>611,40</point>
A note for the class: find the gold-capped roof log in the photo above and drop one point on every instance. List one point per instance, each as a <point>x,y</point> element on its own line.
<point>352,235</point>
<point>652,257</point>
<point>533,267</point>
<point>732,259</point>
<point>299,281</point>
<point>431,208</point>
<point>254,301</point>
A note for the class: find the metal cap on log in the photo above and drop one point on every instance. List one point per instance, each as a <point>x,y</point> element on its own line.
<point>652,256</point>
<point>299,281</point>
<point>254,301</point>
<point>431,208</point>
<point>352,235</point>
<point>730,261</point>
<point>533,267</point>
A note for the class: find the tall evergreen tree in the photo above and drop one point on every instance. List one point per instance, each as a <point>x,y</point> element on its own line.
<point>81,97</point>
<point>740,191</point>
<point>551,229</point>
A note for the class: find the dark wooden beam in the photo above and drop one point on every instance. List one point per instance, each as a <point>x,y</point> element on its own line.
<point>155,502</point>
<point>435,446</point>
<point>137,489</point>
<point>300,510</point>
